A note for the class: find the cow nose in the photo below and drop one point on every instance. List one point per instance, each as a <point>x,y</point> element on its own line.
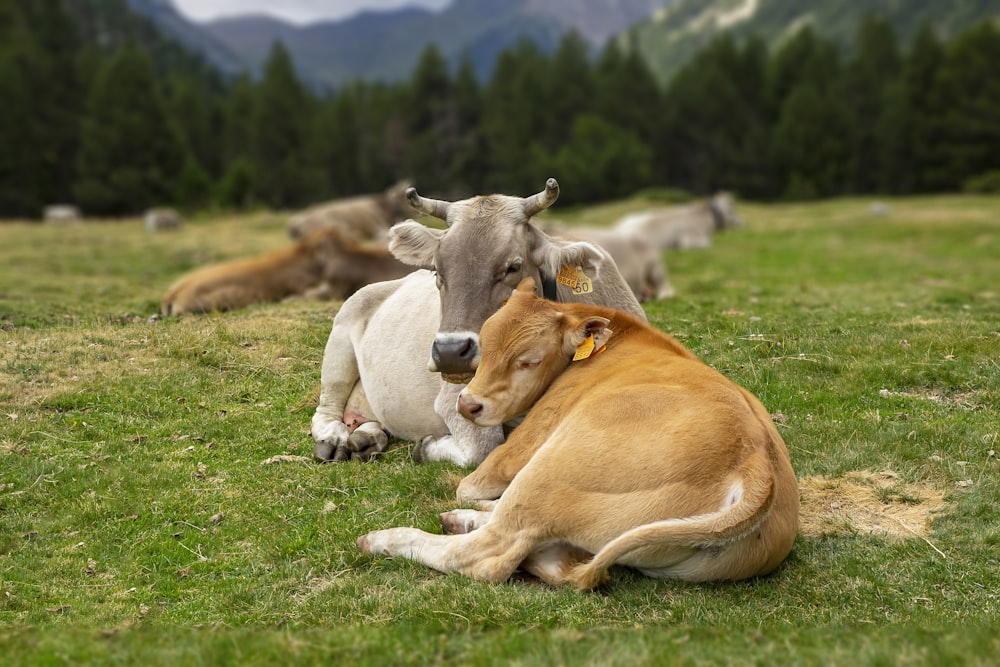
<point>469,408</point>
<point>455,353</point>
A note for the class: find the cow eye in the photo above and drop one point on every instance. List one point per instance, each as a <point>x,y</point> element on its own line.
<point>525,364</point>
<point>514,267</point>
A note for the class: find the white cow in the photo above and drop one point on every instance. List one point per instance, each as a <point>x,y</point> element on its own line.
<point>376,377</point>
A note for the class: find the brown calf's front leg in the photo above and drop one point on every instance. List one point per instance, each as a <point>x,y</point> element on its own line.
<point>494,475</point>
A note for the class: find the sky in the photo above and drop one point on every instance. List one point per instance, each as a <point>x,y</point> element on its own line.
<point>295,11</point>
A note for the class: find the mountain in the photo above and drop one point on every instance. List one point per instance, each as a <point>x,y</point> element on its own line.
<point>669,36</point>
<point>175,26</point>
<point>386,45</point>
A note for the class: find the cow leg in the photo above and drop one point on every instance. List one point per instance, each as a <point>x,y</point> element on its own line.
<point>464,521</point>
<point>486,554</point>
<point>339,385</point>
<point>494,475</point>
<point>467,444</point>
<point>658,280</point>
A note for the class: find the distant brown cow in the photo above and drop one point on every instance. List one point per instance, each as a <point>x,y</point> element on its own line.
<point>364,216</point>
<point>325,264</point>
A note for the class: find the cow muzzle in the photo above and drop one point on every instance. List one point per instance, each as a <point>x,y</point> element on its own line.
<point>455,356</point>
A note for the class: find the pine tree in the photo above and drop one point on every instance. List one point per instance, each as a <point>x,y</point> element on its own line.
<point>599,161</point>
<point>279,137</point>
<point>568,90</point>
<point>39,105</point>
<point>916,134</point>
<point>57,95</point>
<point>20,166</point>
<point>432,131</point>
<point>193,110</point>
<point>864,89</point>
<point>809,146</point>
<point>966,104</point>
<point>714,121</point>
<point>808,143</point>
<point>130,152</point>
<point>626,92</point>
<point>468,169</point>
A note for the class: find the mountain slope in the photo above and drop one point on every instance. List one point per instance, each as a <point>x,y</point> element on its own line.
<point>385,45</point>
<point>191,36</point>
<point>675,33</point>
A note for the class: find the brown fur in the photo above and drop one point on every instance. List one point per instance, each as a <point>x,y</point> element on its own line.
<point>365,217</point>
<point>642,455</point>
<point>325,264</point>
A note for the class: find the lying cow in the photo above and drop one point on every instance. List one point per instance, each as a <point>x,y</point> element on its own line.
<point>159,219</point>
<point>639,262</point>
<point>62,213</point>
<point>366,217</point>
<point>375,376</point>
<point>632,450</point>
<point>683,227</point>
<point>325,264</point>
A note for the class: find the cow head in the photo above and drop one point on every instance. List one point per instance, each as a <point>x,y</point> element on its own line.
<point>724,215</point>
<point>490,245</point>
<point>527,344</point>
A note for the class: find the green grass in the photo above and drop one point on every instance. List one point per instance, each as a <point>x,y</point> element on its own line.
<point>140,525</point>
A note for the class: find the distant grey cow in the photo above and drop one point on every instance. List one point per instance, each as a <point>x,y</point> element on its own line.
<point>157,219</point>
<point>367,217</point>
<point>376,376</point>
<point>639,261</point>
<point>683,227</point>
<point>61,213</point>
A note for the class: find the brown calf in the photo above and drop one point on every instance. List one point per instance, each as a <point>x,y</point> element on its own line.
<point>637,452</point>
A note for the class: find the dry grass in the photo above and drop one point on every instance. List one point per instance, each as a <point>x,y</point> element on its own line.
<point>872,503</point>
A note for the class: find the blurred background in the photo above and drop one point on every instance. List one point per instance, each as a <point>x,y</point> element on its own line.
<point>116,106</point>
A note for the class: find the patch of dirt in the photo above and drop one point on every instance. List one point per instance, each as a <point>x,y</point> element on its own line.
<point>877,503</point>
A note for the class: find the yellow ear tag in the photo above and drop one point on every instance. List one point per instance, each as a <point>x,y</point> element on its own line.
<point>586,348</point>
<point>568,276</point>
<point>583,283</point>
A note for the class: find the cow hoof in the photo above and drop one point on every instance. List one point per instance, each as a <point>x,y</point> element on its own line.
<point>366,445</point>
<point>323,451</point>
<point>419,452</point>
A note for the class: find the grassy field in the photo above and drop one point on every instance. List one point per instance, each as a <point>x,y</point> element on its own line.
<point>144,518</point>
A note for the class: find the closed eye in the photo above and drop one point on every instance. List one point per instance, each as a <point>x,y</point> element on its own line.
<point>525,364</point>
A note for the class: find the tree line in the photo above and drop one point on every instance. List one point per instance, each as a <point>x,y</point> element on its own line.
<point>117,130</point>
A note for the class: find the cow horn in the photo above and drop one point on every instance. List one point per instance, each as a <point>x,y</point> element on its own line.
<point>535,204</point>
<point>434,207</point>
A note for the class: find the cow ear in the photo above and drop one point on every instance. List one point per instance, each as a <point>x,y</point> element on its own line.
<point>579,329</point>
<point>553,254</point>
<point>526,285</point>
<point>414,244</point>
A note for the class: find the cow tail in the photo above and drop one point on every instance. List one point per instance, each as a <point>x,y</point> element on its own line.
<point>717,529</point>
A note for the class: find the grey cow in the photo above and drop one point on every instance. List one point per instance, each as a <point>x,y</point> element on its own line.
<point>683,227</point>
<point>376,375</point>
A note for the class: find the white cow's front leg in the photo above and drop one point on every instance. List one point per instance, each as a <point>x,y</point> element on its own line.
<point>339,384</point>
<point>467,444</point>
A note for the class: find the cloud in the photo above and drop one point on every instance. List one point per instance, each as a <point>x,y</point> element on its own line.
<point>296,11</point>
